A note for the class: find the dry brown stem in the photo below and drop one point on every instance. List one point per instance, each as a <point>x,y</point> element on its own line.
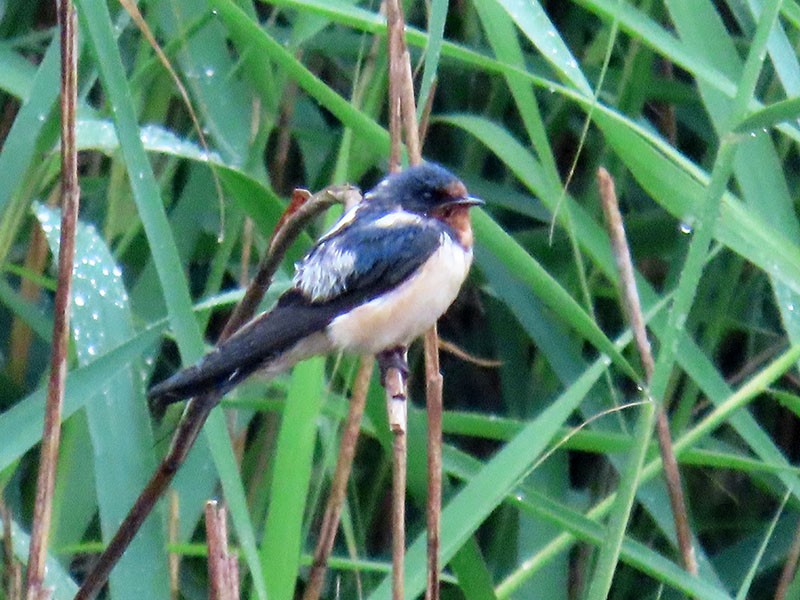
<point>223,568</point>
<point>278,246</point>
<point>425,118</point>
<point>344,464</point>
<point>70,198</point>
<point>174,558</point>
<point>789,567</point>
<point>434,383</point>
<point>633,311</point>
<point>21,334</point>
<point>401,90</point>
<point>399,474</point>
<point>395,380</point>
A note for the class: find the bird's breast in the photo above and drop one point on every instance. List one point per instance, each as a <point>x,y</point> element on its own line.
<point>404,313</point>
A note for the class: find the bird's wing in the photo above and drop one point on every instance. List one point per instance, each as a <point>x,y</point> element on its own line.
<point>368,257</point>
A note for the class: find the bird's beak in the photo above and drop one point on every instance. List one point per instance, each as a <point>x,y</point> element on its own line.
<point>466,201</point>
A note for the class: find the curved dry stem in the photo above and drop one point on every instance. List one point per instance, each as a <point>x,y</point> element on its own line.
<point>70,200</point>
<point>633,311</point>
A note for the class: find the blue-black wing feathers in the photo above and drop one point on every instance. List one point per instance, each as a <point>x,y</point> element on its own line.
<point>366,257</point>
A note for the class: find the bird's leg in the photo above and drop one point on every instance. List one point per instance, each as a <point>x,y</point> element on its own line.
<point>393,358</point>
<point>394,374</point>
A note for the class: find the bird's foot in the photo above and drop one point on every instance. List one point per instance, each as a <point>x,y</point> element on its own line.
<point>393,358</point>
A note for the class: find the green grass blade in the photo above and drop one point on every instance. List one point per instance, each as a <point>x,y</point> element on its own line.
<point>17,154</point>
<point>533,21</point>
<point>282,542</point>
<point>783,110</point>
<point>433,51</point>
<point>610,549</point>
<point>494,239</point>
<point>751,572</point>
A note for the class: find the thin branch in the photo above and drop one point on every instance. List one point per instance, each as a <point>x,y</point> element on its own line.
<point>633,311</point>
<point>409,109</point>
<point>434,384</point>
<point>394,379</point>
<point>285,235</point>
<point>198,409</point>
<point>70,198</point>
<point>458,352</point>
<point>789,567</point>
<point>344,464</point>
<point>174,558</point>
<point>424,121</point>
<point>400,67</point>
<point>223,568</point>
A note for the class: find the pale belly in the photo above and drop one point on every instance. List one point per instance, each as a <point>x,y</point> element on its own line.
<point>404,314</point>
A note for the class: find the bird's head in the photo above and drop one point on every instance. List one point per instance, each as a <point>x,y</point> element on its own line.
<point>427,189</point>
<point>431,191</point>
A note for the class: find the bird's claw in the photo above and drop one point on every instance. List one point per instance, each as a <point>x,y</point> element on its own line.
<point>393,358</point>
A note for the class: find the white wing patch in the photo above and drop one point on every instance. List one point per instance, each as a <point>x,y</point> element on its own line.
<point>322,275</point>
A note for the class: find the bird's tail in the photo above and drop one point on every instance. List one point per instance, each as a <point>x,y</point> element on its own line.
<point>273,342</point>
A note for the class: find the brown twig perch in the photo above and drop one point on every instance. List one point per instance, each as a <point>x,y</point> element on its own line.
<point>223,567</point>
<point>174,559</point>
<point>394,379</point>
<point>70,198</point>
<point>789,567</point>
<point>401,98</point>
<point>633,312</point>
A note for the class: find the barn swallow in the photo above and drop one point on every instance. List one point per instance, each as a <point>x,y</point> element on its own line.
<point>383,275</point>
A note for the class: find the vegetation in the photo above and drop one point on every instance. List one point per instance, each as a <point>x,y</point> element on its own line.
<point>548,454</point>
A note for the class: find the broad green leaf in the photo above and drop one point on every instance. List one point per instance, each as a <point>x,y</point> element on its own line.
<point>282,542</point>
<point>118,419</point>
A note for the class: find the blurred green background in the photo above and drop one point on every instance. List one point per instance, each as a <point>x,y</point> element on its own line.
<point>671,96</point>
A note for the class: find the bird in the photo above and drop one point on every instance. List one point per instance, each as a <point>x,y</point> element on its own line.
<point>378,279</point>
